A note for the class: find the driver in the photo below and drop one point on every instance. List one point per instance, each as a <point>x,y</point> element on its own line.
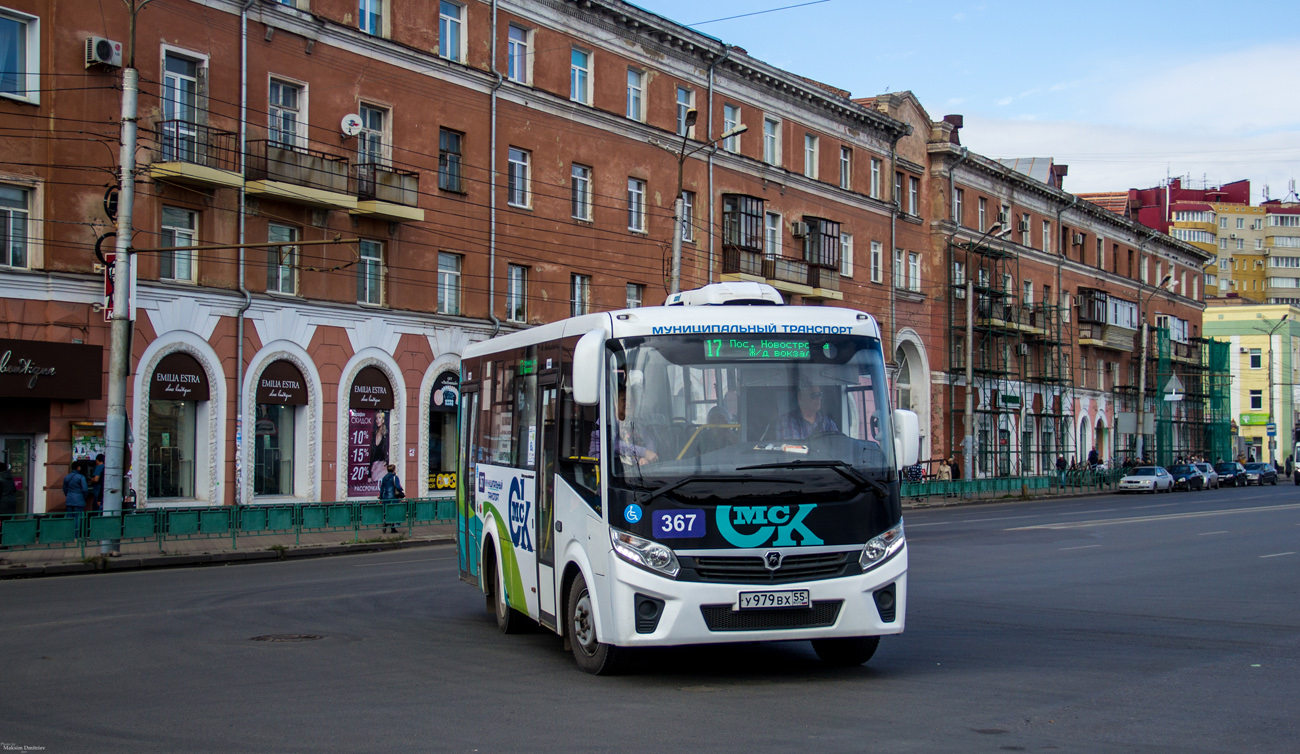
<point>807,419</point>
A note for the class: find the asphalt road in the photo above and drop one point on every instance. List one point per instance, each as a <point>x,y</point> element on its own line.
<point>1111,624</point>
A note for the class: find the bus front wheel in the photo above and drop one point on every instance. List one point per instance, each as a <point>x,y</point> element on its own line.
<point>846,652</point>
<point>580,621</point>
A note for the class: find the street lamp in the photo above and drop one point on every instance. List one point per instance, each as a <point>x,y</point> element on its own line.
<point>968,420</point>
<point>679,207</point>
<point>1270,331</point>
<point>1142,367</point>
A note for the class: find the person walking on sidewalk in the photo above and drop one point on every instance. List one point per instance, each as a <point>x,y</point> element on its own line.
<point>390,490</point>
<point>75,492</point>
<point>8,492</point>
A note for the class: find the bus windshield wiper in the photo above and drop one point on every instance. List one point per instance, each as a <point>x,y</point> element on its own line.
<point>844,468</point>
<point>664,490</point>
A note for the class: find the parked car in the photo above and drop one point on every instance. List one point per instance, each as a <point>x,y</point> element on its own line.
<point>1231,473</point>
<point>1261,474</point>
<point>1187,477</point>
<point>1211,476</point>
<point>1151,479</point>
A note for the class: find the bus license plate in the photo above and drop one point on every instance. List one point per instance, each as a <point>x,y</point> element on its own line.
<point>765,600</point>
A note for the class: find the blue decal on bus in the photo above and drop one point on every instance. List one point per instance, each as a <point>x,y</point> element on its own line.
<point>777,519</point>
<point>679,523</point>
<point>632,513</point>
<point>519,509</point>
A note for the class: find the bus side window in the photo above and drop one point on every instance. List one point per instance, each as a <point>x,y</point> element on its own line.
<point>578,464</point>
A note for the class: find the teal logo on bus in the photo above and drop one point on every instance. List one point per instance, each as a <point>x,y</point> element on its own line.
<point>753,526</point>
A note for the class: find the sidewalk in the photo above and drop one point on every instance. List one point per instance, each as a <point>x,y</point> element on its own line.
<point>17,564</point>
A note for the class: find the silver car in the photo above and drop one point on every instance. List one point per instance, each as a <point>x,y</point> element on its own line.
<point>1211,476</point>
<point>1151,479</point>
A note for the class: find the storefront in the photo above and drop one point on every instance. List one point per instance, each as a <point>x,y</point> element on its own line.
<point>370,402</point>
<point>178,387</point>
<point>281,401</point>
<point>442,433</point>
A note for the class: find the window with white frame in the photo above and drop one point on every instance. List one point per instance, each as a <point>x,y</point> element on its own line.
<point>580,76</point>
<point>370,17</point>
<point>282,261</point>
<point>287,110</point>
<point>731,120</point>
<point>771,141</point>
<point>1047,237</point>
<point>959,278</point>
<point>580,295</point>
<point>846,254</point>
<point>914,271</point>
<point>635,295</point>
<point>1223,222</point>
<point>180,108</point>
<point>636,205</point>
<point>983,216</point>
<point>846,168</point>
<point>1241,223</point>
<point>635,94</point>
<point>519,61</point>
<point>1241,244</point>
<point>688,216</point>
<point>876,167</point>
<point>898,190</point>
<point>772,232</point>
<point>449,283</point>
<point>685,103</point>
<point>810,155</point>
<point>913,195</point>
<point>1027,297</point>
<point>372,147</point>
<point>958,205</point>
<point>15,225</point>
<point>179,228</point>
<point>900,271</point>
<point>877,261</point>
<point>1024,230</point>
<point>517,188</point>
<point>20,56</point>
<point>370,272</point>
<point>581,191</point>
<point>516,293</point>
<point>1256,358</point>
<point>451,31</point>
<point>1256,400</point>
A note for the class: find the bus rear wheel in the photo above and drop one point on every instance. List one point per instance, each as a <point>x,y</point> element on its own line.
<point>580,621</point>
<point>846,652</point>
<point>509,620</point>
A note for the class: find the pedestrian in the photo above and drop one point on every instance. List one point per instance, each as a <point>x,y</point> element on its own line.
<point>956,470</point>
<point>1290,465</point>
<point>945,469</point>
<point>8,492</point>
<point>1060,469</point>
<point>97,483</point>
<point>390,490</point>
<point>75,491</point>
<point>1094,458</point>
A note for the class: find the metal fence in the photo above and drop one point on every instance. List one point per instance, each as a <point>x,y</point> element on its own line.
<point>160,525</point>
<point>1066,482</point>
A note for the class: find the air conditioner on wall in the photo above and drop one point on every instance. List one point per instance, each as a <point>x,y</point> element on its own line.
<point>1022,349</point>
<point>799,230</point>
<point>1024,226</point>
<point>1078,239</point>
<point>105,52</point>
<point>1002,218</point>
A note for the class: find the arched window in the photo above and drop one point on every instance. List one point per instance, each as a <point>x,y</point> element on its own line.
<point>177,386</point>
<point>442,432</point>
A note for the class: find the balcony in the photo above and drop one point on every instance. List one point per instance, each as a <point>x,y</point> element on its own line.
<point>825,283</point>
<point>298,175</point>
<point>388,193</point>
<point>788,275</point>
<point>1187,353</point>
<point>742,264</point>
<point>195,155</point>
<point>1107,336</point>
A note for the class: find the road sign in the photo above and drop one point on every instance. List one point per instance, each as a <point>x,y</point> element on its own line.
<point>1271,428</point>
<point>109,259</point>
<point>1174,385</point>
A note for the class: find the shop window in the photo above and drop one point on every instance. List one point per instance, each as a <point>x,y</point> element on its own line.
<point>442,431</point>
<point>281,394</point>
<point>370,400</point>
<point>177,386</point>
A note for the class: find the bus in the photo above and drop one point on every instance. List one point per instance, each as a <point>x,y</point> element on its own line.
<point>723,468</point>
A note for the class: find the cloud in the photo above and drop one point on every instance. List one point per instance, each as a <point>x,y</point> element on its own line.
<point>1003,103</point>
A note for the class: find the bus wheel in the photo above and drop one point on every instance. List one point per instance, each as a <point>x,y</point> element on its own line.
<point>509,620</point>
<point>580,622</point>
<point>846,652</point>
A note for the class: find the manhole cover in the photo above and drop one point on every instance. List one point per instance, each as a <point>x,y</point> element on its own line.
<point>288,637</point>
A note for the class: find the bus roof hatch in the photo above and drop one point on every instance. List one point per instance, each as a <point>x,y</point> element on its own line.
<point>728,294</point>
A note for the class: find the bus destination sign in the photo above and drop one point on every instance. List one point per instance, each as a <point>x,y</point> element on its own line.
<point>756,349</point>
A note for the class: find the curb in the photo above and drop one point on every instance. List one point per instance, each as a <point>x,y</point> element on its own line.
<point>100,564</point>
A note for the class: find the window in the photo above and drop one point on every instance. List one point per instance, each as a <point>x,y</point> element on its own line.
<point>959,279</point>
<point>635,94</point>
<point>519,64</point>
<point>1256,400</point>
<point>581,295</point>
<point>451,37</point>
<point>179,228</point>
<point>517,178</point>
<point>281,261</point>
<point>273,453</point>
<point>1027,298</point>
<point>580,76</point>
<point>846,254</point>
<point>1223,222</point>
<point>636,204</point>
<point>914,271</point>
<point>449,283</point>
<point>898,190</point>
<point>371,16</point>
<point>772,233</point>
<point>635,295</point>
<point>581,175</point>
<point>846,168</point>
<point>370,273</point>
<point>372,149</point>
<point>1259,244</point>
<point>875,178</point>
<point>1047,237</point>
<point>685,103</point>
<point>771,141</point>
<point>821,247</point>
<point>516,293</point>
<point>14,226</point>
<point>730,120</point>
<point>742,222</point>
<point>172,431</point>
<point>913,195</point>
<point>1256,359</point>
<point>286,114</point>
<point>958,202</point>
<point>180,102</point>
<point>983,215</point>
<point>20,56</point>
<point>1241,223</point>
<point>877,264</point>
<point>449,160</point>
<point>900,272</point>
<point>1241,244</point>
<point>688,216</point>
<point>1024,230</point>
<point>810,155</point>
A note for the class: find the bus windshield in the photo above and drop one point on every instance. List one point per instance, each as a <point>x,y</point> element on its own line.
<point>717,405</point>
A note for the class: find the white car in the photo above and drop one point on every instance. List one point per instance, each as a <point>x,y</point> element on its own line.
<point>1211,476</point>
<point>1151,479</point>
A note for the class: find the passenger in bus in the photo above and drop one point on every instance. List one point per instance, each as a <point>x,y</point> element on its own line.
<point>630,444</point>
<point>727,411</point>
<point>807,419</point>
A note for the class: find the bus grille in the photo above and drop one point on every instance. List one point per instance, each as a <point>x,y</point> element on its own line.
<point>722,618</point>
<point>751,570</point>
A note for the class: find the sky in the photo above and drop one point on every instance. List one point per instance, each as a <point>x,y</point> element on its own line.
<point>1125,93</point>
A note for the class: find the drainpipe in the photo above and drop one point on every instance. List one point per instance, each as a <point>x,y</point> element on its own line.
<point>726,52</point>
<point>492,195</point>
<point>970,314</point>
<point>248,296</point>
<point>1060,265</point>
<point>893,244</point>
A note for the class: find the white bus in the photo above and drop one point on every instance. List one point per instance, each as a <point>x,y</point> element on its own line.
<point>719,469</point>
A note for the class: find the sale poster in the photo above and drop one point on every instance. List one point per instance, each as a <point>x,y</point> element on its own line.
<point>368,454</point>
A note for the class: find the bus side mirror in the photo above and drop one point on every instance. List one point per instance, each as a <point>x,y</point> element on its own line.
<point>587,368</point>
<point>907,438</point>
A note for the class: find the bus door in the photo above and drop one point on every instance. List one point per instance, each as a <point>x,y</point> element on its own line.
<point>469,524</point>
<point>547,438</point>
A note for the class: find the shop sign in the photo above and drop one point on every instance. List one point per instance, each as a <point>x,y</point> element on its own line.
<point>446,392</point>
<point>63,371</point>
<point>371,391</point>
<point>1254,420</point>
<point>281,384</point>
<point>179,377</point>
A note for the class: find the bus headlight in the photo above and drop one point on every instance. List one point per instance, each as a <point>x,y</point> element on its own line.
<point>882,547</point>
<point>645,553</point>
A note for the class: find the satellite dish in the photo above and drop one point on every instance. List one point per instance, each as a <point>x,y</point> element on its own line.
<point>351,124</point>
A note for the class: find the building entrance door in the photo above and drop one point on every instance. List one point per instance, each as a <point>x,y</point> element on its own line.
<point>16,450</point>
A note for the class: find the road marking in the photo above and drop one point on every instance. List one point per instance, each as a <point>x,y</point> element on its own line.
<point>998,518</point>
<point>1080,547</point>
<point>1165,517</point>
<point>1084,513</point>
<point>397,562</point>
<point>1208,533</point>
<point>1162,505</point>
<point>1276,555</point>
